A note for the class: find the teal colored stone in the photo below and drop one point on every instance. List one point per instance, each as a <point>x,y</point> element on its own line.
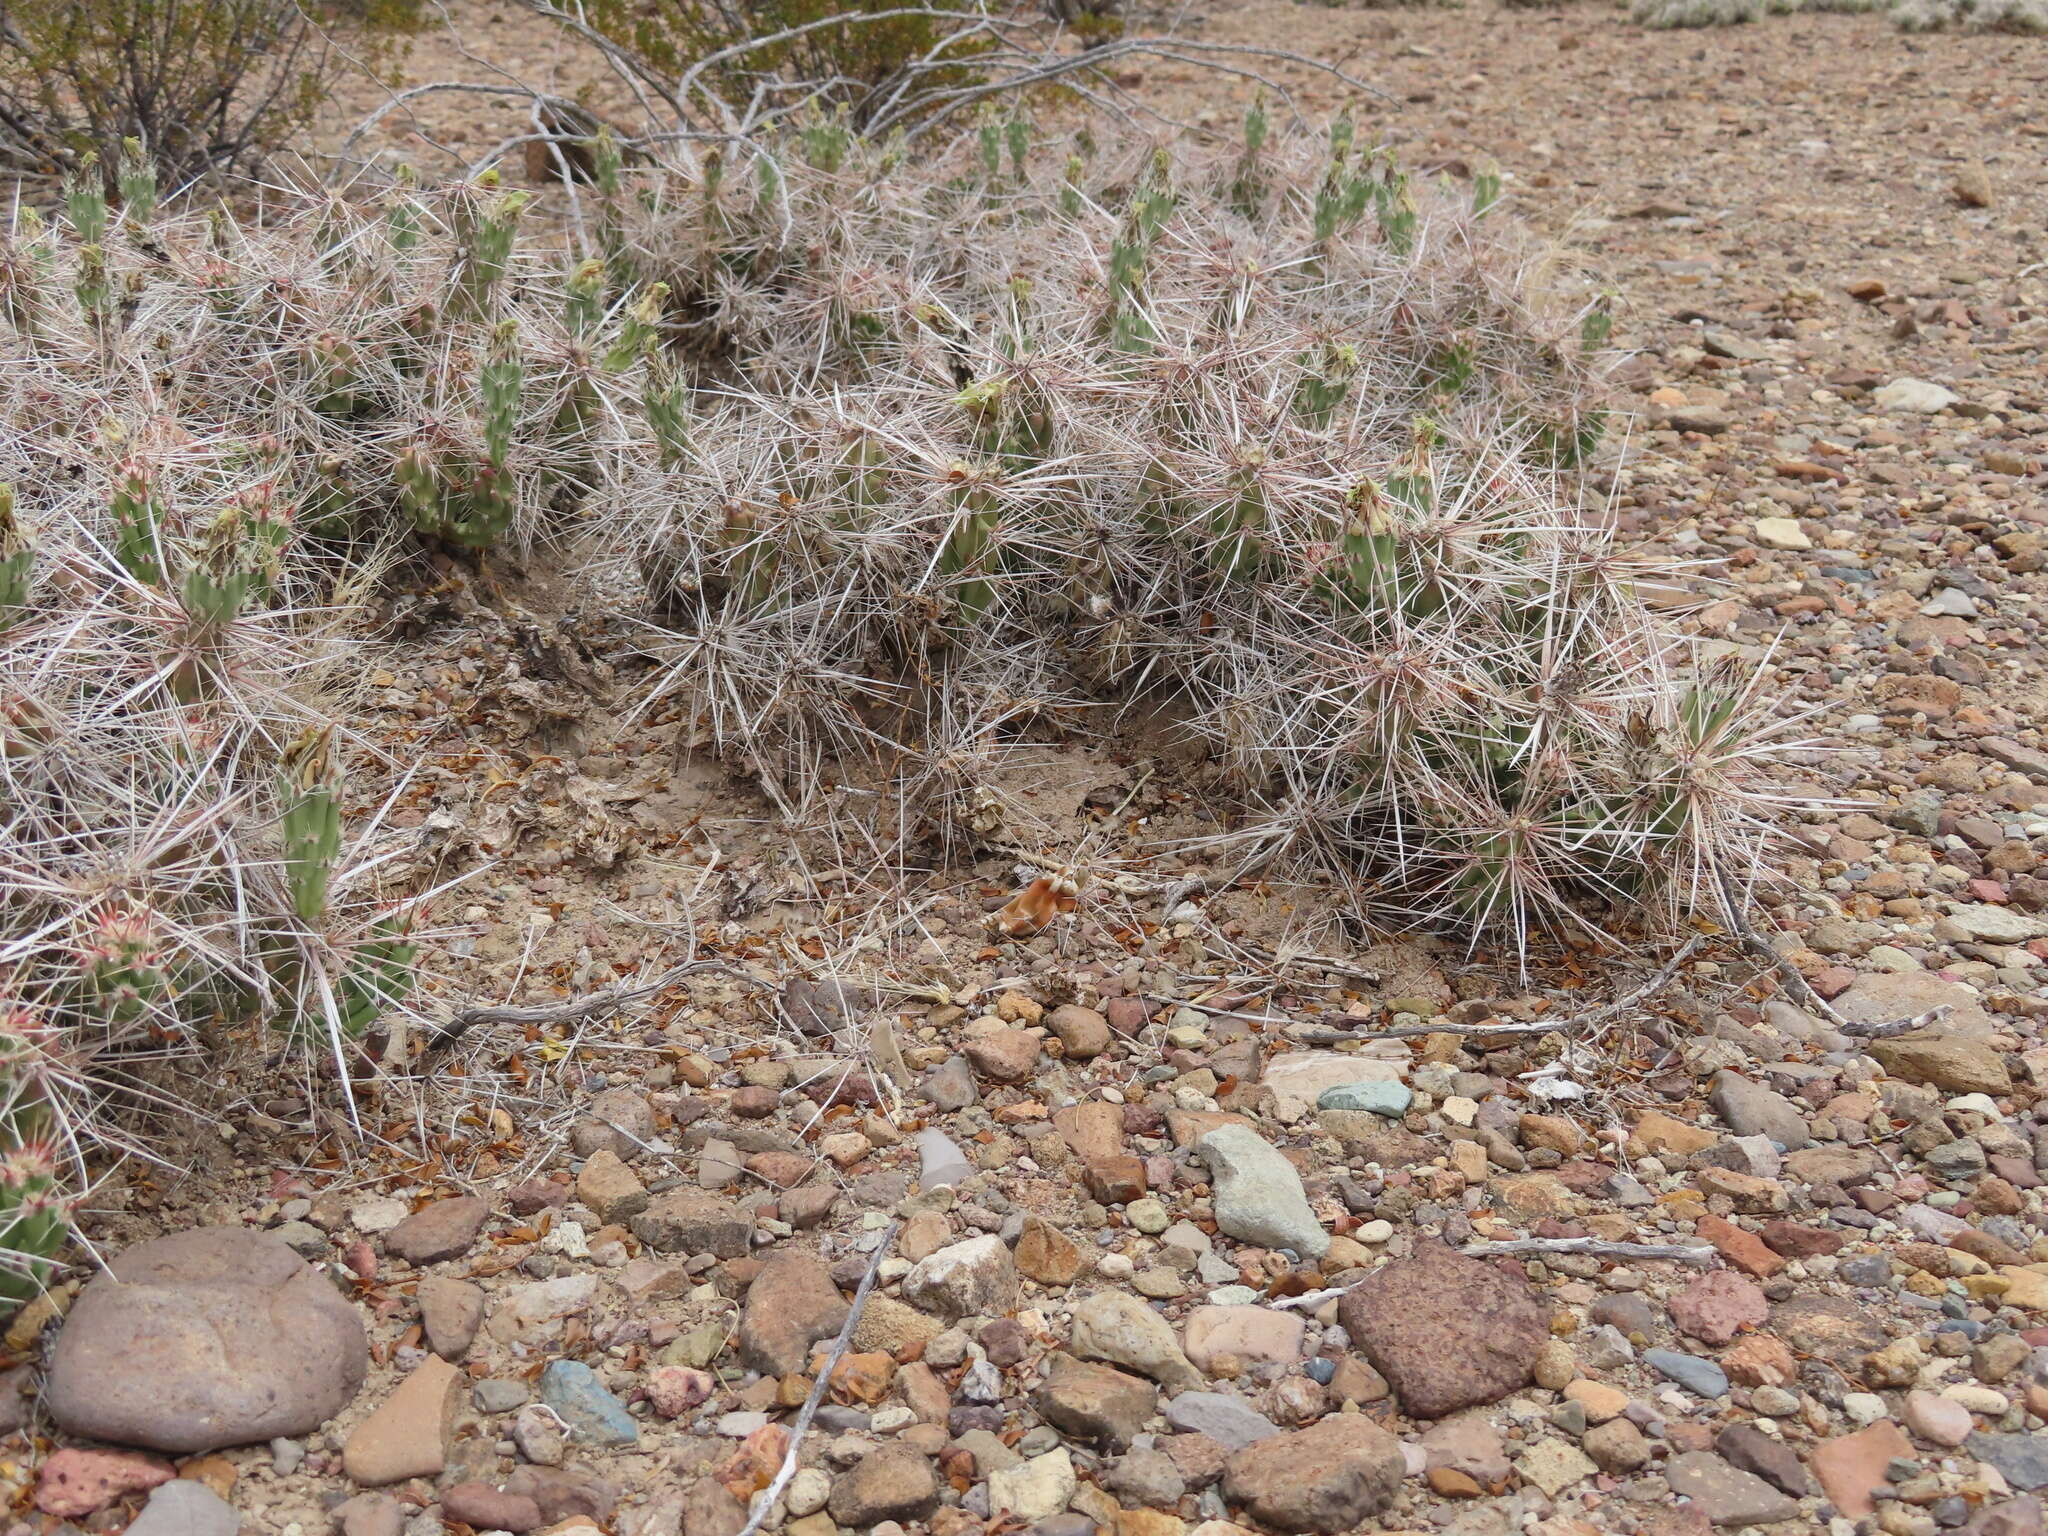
<point>572,1389</point>
<point>1389,1099</point>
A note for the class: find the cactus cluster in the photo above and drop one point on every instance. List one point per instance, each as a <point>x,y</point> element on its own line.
<point>2023,17</point>
<point>920,462</point>
<point>1278,441</point>
<point>217,433</point>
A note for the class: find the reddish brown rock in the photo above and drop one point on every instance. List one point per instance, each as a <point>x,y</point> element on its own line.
<point>1717,1306</point>
<point>1745,1250</point>
<point>791,1306</point>
<point>443,1230</point>
<point>1801,1242</point>
<point>1448,1332</point>
<point>1324,1479</point>
<point>211,1337</point>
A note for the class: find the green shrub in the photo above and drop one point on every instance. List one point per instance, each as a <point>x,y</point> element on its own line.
<point>205,85</point>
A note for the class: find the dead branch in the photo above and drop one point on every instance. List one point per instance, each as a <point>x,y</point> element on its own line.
<point>765,1501</point>
<point>1679,1253</point>
<point>610,1000</point>
<point>1574,1021</point>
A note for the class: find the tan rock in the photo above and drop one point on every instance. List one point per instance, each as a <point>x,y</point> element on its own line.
<point>407,1435</point>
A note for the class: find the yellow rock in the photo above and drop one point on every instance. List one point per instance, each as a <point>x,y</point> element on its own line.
<point>2026,1286</point>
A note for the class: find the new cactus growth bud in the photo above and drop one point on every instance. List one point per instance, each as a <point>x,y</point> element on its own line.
<point>485,226</point>
<point>584,309</point>
<point>136,183</point>
<point>85,200</point>
<point>123,961</point>
<point>17,563</point>
<point>309,790</point>
<point>640,330</point>
<point>35,1219</point>
<point>138,521</point>
<point>665,399</point>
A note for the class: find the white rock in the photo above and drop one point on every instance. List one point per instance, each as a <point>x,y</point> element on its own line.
<point>1036,1491</point>
<point>1781,533</point>
<point>974,1278</point>
<point>1299,1078</point>
<point>2000,925</point>
<point>808,1491</point>
<point>1915,396</point>
<point>378,1214</point>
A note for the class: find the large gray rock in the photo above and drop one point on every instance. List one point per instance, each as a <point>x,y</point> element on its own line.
<point>218,1336</point>
<point>1259,1198</point>
<point>1754,1110</point>
<point>186,1508</point>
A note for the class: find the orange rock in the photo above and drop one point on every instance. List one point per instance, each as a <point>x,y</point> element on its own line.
<point>1745,1250</point>
<point>862,1378</point>
<point>1852,1467</point>
<point>1760,1360</point>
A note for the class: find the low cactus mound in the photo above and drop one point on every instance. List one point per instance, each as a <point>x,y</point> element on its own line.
<point>1275,438</point>
<point>916,459</point>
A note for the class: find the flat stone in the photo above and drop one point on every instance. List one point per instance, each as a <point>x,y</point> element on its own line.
<point>1937,1419</point>
<point>74,1482</point>
<point>894,1481</point>
<point>1447,1331</point>
<point>1082,1032</point>
<point>2021,1459</point>
<point>1258,1194</point>
<point>1717,1306</point>
<point>451,1311</point>
<point>444,1230</point>
<point>1247,1336</point>
<point>484,1508</point>
<point>1554,1465</point>
<point>1390,1099</point>
<point>407,1434</point>
<point>1122,1330</point>
<point>1833,1327</point>
<point>694,1221</point>
<point>1325,1479</point>
<point>593,1414</point>
<point>1727,1494</point>
<point>1913,397</point>
<point>1851,1468</point>
<point>1034,1490</point>
<point>1754,1110</point>
<point>610,1188</point>
<point>185,1507</point>
<point>1298,1079</point>
<point>1046,1254</point>
<point>1949,1061</point>
<point>1998,925</point>
<point>791,1305</point>
<point>1229,1420</point>
<point>1698,1376</point>
<point>620,1120</point>
<point>1094,1402</point>
<point>1768,1457</point>
<point>214,1337</point>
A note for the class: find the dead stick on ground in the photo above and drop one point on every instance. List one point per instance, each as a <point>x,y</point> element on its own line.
<point>1599,1015</point>
<point>609,1000</point>
<point>1680,1253</point>
<point>765,1501</point>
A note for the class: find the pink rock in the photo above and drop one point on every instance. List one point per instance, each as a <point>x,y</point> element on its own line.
<point>673,1390</point>
<point>361,1259</point>
<point>1852,1467</point>
<point>1715,1307</point>
<point>1937,1419</point>
<point>78,1482</point>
